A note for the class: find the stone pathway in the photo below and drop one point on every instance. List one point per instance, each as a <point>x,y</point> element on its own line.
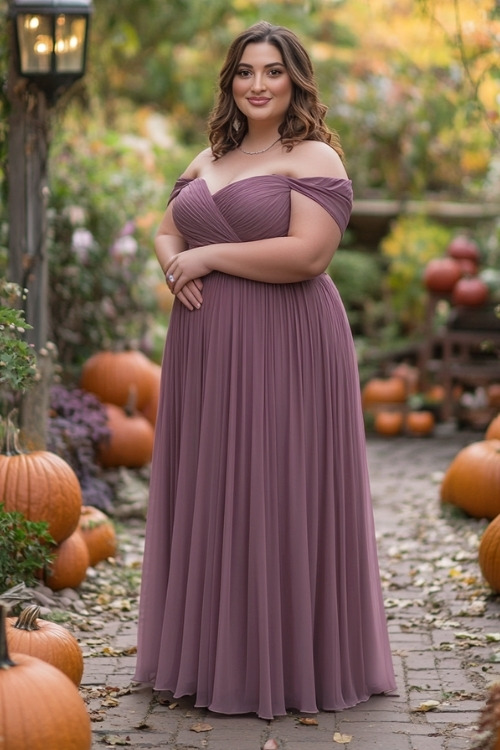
<point>443,620</point>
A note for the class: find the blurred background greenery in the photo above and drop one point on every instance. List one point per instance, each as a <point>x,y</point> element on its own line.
<point>413,88</point>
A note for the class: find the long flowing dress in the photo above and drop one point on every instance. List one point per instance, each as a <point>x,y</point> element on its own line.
<point>261,588</point>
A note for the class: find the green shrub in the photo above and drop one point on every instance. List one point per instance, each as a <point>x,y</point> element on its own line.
<point>25,548</point>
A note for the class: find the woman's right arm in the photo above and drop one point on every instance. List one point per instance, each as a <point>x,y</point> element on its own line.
<point>168,242</point>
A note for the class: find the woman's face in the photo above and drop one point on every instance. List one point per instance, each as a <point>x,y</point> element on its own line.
<point>262,87</point>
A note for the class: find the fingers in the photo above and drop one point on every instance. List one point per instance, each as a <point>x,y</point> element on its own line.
<point>189,294</point>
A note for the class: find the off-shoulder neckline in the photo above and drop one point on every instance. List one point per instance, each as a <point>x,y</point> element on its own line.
<point>260,177</point>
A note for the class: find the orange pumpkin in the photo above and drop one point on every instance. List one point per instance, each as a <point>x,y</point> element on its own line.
<point>42,487</point>
<point>69,568</point>
<point>493,431</point>
<point>493,393</point>
<point>53,643</point>
<point>388,423</point>
<point>150,408</point>
<point>379,391</point>
<point>489,554</point>
<point>131,440</point>
<point>98,533</point>
<point>41,707</point>
<point>472,481</point>
<point>113,376</point>
<point>419,423</point>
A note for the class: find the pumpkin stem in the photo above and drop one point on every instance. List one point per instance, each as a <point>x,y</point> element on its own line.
<point>28,617</point>
<point>5,660</point>
<point>10,437</point>
<point>130,406</point>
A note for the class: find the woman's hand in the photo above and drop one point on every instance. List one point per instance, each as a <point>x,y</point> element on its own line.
<point>184,274</point>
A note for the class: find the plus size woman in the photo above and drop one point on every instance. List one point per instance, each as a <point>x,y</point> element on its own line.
<point>260,589</point>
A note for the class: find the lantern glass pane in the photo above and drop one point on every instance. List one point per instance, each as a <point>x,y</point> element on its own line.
<point>35,43</point>
<point>70,43</point>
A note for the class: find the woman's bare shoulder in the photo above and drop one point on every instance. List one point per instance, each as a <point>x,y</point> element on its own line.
<point>316,159</point>
<point>199,163</point>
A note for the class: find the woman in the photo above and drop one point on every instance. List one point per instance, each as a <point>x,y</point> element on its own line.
<point>260,588</point>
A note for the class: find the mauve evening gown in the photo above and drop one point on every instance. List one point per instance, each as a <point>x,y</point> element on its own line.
<point>261,589</point>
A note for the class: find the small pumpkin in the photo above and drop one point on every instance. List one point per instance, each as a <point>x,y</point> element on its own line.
<point>53,643</point>
<point>441,275</point>
<point>99,534</point>
<point>131,440</point>
<point>112,376</point>
<point>419,423</point>
<point>388,423</point>
<point>41,707</point>
<point>470,291</point>
<point>43,487</point>
<point>489,554</point>
<point>378,391</point>
<point>472,480</point>
<point>493,430</point>
<point>69,568</point>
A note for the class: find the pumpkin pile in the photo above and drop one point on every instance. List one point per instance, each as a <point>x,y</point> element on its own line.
<point>41,706</point>
<point>128,385</point>
<point>385,403</point>
<point>457,275</point>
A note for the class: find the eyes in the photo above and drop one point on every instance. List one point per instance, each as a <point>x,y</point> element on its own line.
<point>246,73</point>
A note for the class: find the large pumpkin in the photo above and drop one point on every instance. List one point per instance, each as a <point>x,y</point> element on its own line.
<point>489,554</point>
<point>40,707</point>
<point>98,533</point>
<point>131,440</point>
<point>493,431</point>
<point>43,487</point>
<point>114,376</point>
<point>53,643</point>
<point>69,567</point>
<point>472,481</point>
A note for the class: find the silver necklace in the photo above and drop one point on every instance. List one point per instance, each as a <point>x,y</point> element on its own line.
<point>262,151</point>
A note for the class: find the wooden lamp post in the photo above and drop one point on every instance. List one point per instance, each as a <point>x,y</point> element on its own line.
<point>48,42</point>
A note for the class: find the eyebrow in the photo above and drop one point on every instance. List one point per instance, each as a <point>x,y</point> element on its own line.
<point>270,65</point>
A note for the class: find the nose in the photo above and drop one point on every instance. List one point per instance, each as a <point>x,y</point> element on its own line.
<point>258,82</point>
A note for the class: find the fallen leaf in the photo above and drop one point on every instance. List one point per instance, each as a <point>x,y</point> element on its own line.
<point>201,727</point>
<point>426,706</point>
<point>309,722</point>
<point>110,703</point>
<point>342,739</point>
<point>270,745</point>
<point>113,739</point>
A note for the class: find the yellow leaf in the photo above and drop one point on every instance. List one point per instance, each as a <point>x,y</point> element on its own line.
<point>308,721</point>
<point>342,739</point>
<point>201,727</point>
<point>427,706</point>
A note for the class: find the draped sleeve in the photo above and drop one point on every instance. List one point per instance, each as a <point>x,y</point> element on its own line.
<point>180,183</point>
<point>333,194</point>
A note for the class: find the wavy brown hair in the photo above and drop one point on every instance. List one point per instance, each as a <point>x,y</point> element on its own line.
<point>304,120</point>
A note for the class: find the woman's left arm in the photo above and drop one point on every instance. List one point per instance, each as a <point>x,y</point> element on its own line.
<point>303,254</point>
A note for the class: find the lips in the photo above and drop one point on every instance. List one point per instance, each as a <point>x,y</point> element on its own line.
<point>258,101</point>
